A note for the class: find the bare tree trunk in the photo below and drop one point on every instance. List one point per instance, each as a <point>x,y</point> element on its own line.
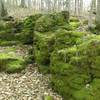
<point>91,15</point>
<point>98,15</point>
<point>3,10</point>
<point>23,3</point>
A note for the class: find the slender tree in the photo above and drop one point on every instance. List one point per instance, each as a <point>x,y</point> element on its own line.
<point>98,14</point>
<point>23,4</point>
<point>92,9</point>
<point>3,10</point>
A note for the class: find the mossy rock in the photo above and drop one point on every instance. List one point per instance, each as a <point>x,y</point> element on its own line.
<point>85,22</point>
<point>92,92</point>
<point>7,27</point>
<point>47,98</point>
<point>71,26</point>
<point>98,26</point>
<point>25,29</point>
<point>50,22</point>
<point>65,39</point>
<point>74,19</point>
<point>74,25</point>
<point>29,23</point>
<point>44,23</point>
<point>10,63</point>
<point>7,35</point>
<point>8,43</point>
<point>43,46</point>
<point>77,65</point>
<point>60,85</point>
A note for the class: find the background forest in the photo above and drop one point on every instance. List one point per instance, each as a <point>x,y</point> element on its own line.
<point>49,49</point>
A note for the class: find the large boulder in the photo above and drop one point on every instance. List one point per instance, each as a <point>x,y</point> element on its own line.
<point>66,39</point>
<point>43,46</point>
<point>26,29</point>
<point>77,66</point>
<point>50,22</point>
<point>11,63</point>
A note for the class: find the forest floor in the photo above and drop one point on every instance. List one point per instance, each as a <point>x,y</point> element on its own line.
<point>27,85</point>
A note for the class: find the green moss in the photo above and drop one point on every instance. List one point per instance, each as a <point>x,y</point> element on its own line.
<point>74,25</point>
<point>44,69</point>
<point>60,85</point>
<point>48,98</point>
<point>43,46</point>
<point>74,19</point>
<point>5,26</point>
<point>65,39</point>
<point>50,22</point>
<point>9,62</point>
<point>15,66</point>
<point>8,43</point>
<point>29,59</point>
<point>89,93</point>
<point>83,95</point>
<point>44,23</point>
<point>11,65</point>
<point>98,26</point>
<point>7,34</point>
<point>85,22</point>
<point>77,65</point>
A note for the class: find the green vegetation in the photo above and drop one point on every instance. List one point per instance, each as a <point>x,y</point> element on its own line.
<point>43,46</point>
<point>11,63</point>
<point>51,22</point>
<point>71,57</point>
<point>48,98</point>
<point>76,66</point>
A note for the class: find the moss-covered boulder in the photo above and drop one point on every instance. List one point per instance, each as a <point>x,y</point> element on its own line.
<point>29,23</point>
<point>66,39</point>
<point>76,66</point>
<point>7,37</point>
<point>89,92</point>
<point>19,30</point>
<point>88,55</point>
<point>47,97</point>
<point>10,62</point>
<point>43,46</point>
<point>71,26</point>
<point>50,22</point>
<point>25,29</point>
<point>5,26</point>
<point>74,19</point>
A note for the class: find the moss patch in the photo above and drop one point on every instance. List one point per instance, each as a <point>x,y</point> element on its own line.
<point>50,22</point>
<point>76,66</point>
<point>10,62</point>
